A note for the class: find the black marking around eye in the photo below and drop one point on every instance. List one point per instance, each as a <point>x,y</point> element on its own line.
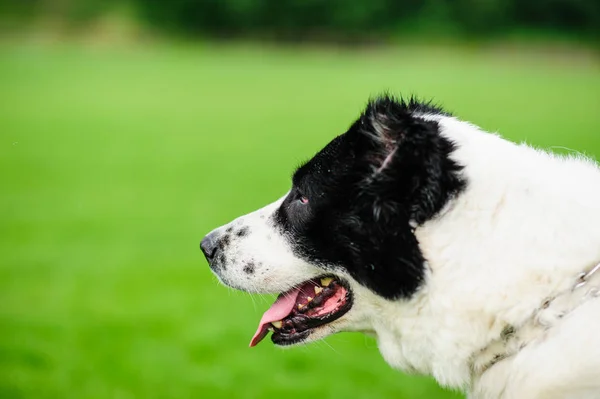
<point>242,232</point>
<point>249,268</point>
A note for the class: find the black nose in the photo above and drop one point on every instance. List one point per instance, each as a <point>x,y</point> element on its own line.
<point>208,245</point>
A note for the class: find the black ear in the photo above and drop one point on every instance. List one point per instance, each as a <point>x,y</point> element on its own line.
<point>405,176</point>
<point>407,162</point>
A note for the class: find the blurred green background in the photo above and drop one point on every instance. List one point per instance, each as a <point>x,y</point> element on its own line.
<point>130,129</point>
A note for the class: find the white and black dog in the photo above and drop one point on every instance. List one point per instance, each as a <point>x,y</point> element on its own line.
<point>468,257</point>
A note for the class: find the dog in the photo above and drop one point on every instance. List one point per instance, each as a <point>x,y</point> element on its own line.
<point>469,258</point>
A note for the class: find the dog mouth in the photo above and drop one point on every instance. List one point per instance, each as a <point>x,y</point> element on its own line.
<point>301,310</point>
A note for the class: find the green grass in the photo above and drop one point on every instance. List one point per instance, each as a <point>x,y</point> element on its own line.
<point>115,162</point>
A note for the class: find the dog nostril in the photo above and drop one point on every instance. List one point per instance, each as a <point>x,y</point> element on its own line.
<point>208,245</point>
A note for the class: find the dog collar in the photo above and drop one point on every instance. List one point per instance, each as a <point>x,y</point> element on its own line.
<point>586,276</point>
<point>552,309</point>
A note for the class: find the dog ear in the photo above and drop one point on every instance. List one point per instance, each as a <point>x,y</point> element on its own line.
<point>382,124</point>
<point>406,161</point>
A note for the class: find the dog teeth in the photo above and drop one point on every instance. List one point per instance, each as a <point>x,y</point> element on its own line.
<point>308,298</point>
<point>277,324</point>
<point>326,281</point>
<point>318,290</point>
<point>300,306</point>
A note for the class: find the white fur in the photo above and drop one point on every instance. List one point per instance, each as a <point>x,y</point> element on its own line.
<point>526,226</point>
<point>276,269</point>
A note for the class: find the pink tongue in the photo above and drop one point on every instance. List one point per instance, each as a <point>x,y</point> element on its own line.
<point>279,310</point>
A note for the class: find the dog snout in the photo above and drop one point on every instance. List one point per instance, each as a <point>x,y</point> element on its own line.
<point>209,245</point>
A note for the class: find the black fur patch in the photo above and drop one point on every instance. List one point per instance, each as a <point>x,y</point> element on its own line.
<point>221,258</point>
<point>391,169</point>
<point>224,241</point>
<point>249,268</point>
<point>242,232</point>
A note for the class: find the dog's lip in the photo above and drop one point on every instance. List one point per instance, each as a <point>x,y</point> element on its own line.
<point>302,320</point>
<point>282,338</point>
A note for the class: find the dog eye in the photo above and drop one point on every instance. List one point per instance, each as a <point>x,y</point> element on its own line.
<point>303,200</point>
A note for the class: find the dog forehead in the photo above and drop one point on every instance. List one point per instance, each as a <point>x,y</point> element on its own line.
<point>336,157</point>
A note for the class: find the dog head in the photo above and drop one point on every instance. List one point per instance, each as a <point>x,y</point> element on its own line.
<point>342,239</point>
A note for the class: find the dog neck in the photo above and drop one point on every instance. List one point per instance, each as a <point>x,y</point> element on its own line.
<point>514,338</point>
<point>495,254</point>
